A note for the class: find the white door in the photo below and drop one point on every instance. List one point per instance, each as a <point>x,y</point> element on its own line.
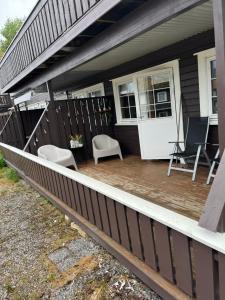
<point>161,115</point>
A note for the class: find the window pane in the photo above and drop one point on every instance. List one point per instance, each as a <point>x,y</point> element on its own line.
<point>124,101</point>
<point>132,100</point>
<point>213,68</point>
<point>133,112</point>
<point>127,100</point>
<point>126,88</point>
<point>214,105</point>
<point>161,81</point>
<point>214,89</point>
<point>162,96</point>
<point>125,113</point>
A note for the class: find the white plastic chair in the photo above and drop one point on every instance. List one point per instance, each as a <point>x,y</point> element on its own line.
<point>57,155</point>
<point>103,145</point>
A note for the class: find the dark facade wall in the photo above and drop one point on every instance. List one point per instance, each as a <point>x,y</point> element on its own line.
<point>184,51</point>
<point>128,138</point>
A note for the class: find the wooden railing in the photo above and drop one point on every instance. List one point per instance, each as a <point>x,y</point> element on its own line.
<point>168,251</point>
<point>49,20</point>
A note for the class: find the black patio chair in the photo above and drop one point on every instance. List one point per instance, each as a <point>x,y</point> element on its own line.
<point>215,163</point>
<point>194,145</point>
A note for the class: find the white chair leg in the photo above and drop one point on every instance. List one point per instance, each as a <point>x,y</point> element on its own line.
<point>75,166</point>
<point>120,155</point>
<point>96,160</point>
<point>212,168</point>
<point>196,162</point>
<point>170,165</point>
<point>210,173</point>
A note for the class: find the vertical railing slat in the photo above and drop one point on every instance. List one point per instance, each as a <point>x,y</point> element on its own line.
<point>204,271</point>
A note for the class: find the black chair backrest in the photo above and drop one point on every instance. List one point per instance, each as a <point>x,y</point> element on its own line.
<point>197,132</point>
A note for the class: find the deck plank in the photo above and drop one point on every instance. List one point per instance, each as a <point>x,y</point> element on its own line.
<point>149,180</point>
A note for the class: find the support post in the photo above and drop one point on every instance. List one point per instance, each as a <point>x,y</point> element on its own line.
<point>213,215</point>
<point>219,28</point>
<point>54,127</point>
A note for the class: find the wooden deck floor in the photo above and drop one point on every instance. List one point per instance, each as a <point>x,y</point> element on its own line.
<point>148,179</point>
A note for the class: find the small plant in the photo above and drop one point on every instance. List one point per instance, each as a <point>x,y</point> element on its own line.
<point>76,140</point>
<point>77,137</point>
<point>11,174</point>
<point>51,277</point>
<point>9,288</point>
<point>2,162</point>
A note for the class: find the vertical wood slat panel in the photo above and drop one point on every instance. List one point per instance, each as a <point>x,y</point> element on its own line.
<point>182,262</point>
<point>52,33</point>
<point>67,13</point>
<point>204,271</point>
<point>221,269</point>
<point>46,27</point>
<point>57,17</point>
<point>104,214</point>
<point>122,223</point>
<point>147,241</point>
<point>85,5</point>
<point>82,201</point>
<point>113,219</point>
<point>163,251</point>
<point>43,29</point>
<point>78,8</point>
<point>72,196</point>
<point>72,11</point>
<point>67,192</point>
<point>89,205</point>
<point>96,210</point>
<point>62,15</point>
<point>77,197</point>
<point>38,42</point>
<point>132,220</point>
<point>53,19</point>
<point>40,33</point>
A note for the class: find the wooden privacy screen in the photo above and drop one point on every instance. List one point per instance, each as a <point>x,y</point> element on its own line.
<point>186,264</point>
<point>89,117</point>
<point>9,130</point>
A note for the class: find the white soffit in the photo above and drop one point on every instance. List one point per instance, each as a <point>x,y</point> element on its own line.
<point>192,22</point>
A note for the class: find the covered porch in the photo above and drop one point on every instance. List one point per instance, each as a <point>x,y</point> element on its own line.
<point>148,180</point>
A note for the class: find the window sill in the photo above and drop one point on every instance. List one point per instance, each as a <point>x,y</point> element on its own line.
<point>213,120</point>
<point>127,123</point>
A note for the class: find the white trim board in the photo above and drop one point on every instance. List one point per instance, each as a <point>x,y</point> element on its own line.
<point>165,216</point>
<point>203,58</point>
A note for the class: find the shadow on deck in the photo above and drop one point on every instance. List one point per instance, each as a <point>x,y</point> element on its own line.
<point>149,180</point>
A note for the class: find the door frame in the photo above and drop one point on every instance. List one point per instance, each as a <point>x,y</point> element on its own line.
<point>173,67</point>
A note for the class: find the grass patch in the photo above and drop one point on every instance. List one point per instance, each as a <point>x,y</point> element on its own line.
<point>2,162</point>
<point>11,174</point>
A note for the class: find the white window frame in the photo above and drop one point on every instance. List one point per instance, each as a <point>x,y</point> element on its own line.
<point>173,65</point>
<point>83,93</point>
<point>205,85</point>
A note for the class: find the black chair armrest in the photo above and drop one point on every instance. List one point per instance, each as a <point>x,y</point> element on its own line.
<point>202,143</point>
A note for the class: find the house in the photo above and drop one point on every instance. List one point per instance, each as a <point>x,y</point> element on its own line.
<point>136,70</point>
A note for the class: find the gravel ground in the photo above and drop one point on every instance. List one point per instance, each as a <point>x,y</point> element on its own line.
<point>42,257</point>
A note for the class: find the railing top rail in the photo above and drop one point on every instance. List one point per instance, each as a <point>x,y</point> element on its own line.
<point>165,216</point>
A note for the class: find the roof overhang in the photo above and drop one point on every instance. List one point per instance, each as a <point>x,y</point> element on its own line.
<point>142,32</point>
